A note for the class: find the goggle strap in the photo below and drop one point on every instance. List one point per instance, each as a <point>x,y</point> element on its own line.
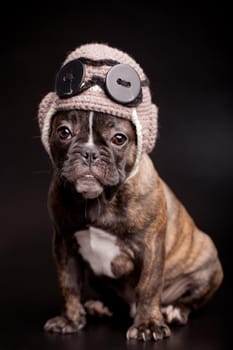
<point>97,80</point>
<point>98,63</point>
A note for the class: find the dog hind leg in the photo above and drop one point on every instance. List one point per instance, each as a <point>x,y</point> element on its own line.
<point>97,308</point>
<point>190,293</point>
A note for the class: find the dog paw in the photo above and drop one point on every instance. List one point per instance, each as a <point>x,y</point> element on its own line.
<point>149,330</point>
<point>175,314</point>
<point>97,308</point>
<point>63,325</point>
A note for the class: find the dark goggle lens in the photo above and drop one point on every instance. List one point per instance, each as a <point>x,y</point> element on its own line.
<point>69,79</point>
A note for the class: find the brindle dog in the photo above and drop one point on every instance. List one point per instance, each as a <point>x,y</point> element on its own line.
<point>129,233</point>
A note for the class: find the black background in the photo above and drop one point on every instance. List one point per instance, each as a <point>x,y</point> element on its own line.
<point>186,52</point>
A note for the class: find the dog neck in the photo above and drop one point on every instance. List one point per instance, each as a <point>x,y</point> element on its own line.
<point>110,207</point>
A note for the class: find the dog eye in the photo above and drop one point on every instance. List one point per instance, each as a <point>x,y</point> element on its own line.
<point>119,139</point>
<point>64,133</point>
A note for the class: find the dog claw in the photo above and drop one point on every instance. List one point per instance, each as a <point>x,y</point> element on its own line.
<point>148,331</point>
<point>144,336</point>
<point>132,333</point>
<point>166,332</point>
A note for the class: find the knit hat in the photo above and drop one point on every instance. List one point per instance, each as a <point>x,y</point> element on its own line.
<point>94,93</point>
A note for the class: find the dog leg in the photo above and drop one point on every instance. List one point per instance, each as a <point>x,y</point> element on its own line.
<point>149,322</point>
<point>190,292</point>
<point>205,281</point>
<point>69,275</point>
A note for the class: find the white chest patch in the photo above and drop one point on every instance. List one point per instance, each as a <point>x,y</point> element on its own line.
<point>99,249</point>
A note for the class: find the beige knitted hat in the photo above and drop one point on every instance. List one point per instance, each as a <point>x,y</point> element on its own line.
<point>97,60</point>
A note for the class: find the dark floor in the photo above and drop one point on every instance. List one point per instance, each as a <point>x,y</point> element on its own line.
<point>186,52</point>
<point>22,329</point>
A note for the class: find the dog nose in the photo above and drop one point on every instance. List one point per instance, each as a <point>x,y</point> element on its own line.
<point>90,155</point>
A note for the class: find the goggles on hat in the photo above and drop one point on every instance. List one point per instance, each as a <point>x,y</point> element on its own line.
<point>122,83</point>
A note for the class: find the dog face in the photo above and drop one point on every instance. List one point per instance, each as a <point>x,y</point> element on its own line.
<point>93,151</point>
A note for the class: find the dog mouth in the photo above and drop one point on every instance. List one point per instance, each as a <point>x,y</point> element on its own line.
<point>89,186</point>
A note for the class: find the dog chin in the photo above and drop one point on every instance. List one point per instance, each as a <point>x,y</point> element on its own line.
<point>89,187</point>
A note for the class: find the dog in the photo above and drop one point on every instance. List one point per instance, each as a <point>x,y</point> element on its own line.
<point>116,223</point>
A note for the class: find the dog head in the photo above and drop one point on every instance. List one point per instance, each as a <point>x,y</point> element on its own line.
<point>93,151</point>
<point>97,77</point>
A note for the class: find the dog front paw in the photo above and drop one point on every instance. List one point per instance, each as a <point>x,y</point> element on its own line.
<point>63,325</point>
<point>148,330</point>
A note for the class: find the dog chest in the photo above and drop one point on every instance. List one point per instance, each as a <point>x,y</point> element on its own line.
<point>99,249</point>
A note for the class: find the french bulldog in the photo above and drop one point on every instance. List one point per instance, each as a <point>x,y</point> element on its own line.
<point>129,234</point>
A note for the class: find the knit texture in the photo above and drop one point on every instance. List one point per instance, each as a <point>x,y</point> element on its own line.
<point>144,116</point>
